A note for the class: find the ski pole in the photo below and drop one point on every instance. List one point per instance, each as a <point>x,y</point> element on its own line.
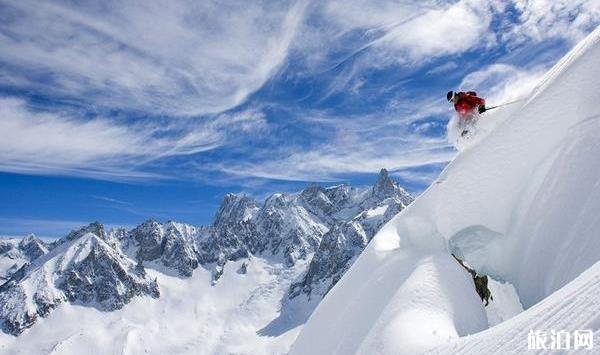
<point>508,103</point>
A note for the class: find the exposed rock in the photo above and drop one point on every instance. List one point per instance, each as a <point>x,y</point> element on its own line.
<point>148,236</point>
<point>234,209</point>
<point>480,282</point>
<point>178,249</point>
<point>243,269</point>
<point>104,277</point>
<point>32,247</point>
<point>173,245</point>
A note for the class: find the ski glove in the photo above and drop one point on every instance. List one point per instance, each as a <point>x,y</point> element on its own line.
<point>481,109</point>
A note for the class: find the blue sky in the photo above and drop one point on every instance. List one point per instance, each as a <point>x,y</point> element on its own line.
<point>124,111</point>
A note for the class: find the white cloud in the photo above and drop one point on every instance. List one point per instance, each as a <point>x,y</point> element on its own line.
<point>53,142</point>
<point>408,31</point>
<point>182,58</point>
<point>331,162</point>
<point>446,30</point>
<point>420,177</point>
<point>352,144</point>
<point>373,14</point>
<point>543,19</point>
<point>501,83</point>
<point>356,36</point>
<point>443,68</point>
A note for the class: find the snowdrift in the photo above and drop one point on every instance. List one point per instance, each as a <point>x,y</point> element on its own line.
<point>522,205</point>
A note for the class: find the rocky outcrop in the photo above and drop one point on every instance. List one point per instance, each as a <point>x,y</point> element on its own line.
<point>233,210</point>
<point>479,281</point>
<point>336,253</point>
<point>283,227</point>
<point>173,245</point>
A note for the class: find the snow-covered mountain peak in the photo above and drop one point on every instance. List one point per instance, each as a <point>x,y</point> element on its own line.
<point>78,250</point>
<point>30,238</point>
<point>32,246</point>
<point>95,228</point>
<point>277,202</point>
<point>81,267</point>
<point>15,253</point>
<point>235,208</point>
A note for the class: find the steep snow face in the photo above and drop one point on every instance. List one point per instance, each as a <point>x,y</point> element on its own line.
<point>520,204</point>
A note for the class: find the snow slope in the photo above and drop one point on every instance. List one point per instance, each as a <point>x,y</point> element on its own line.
<point>520,204</point>
<point>574,306</point>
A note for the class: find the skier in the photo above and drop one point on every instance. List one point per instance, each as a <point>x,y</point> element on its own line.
<point>467,105</point>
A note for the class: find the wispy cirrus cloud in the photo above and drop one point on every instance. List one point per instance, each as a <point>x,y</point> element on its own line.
<point>157,82</point>
<point>180,58</point>
<point>543,19</point>
<point>390,32</point>
<point>503,82</point>
<point>54,142</point>
<point>407,136</point>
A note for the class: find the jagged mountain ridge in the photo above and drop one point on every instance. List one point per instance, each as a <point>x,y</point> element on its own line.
<point>14,253</point>
<point>85,267</point>
<point>105,270</point>
<point>342,244</point>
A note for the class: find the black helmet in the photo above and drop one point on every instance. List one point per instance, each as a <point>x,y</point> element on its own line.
<point>450,95</point>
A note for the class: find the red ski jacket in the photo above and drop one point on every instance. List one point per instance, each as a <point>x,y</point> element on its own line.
<point>467,103</point>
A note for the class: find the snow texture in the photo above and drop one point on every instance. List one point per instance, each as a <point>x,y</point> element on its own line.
<point>519,203</point>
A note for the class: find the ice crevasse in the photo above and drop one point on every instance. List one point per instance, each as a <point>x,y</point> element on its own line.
<point>521,205</point>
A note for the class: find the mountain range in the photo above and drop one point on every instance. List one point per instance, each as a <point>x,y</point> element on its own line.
<point>311,238</point>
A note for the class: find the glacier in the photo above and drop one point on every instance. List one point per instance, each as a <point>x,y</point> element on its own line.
<point>519,203</point>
